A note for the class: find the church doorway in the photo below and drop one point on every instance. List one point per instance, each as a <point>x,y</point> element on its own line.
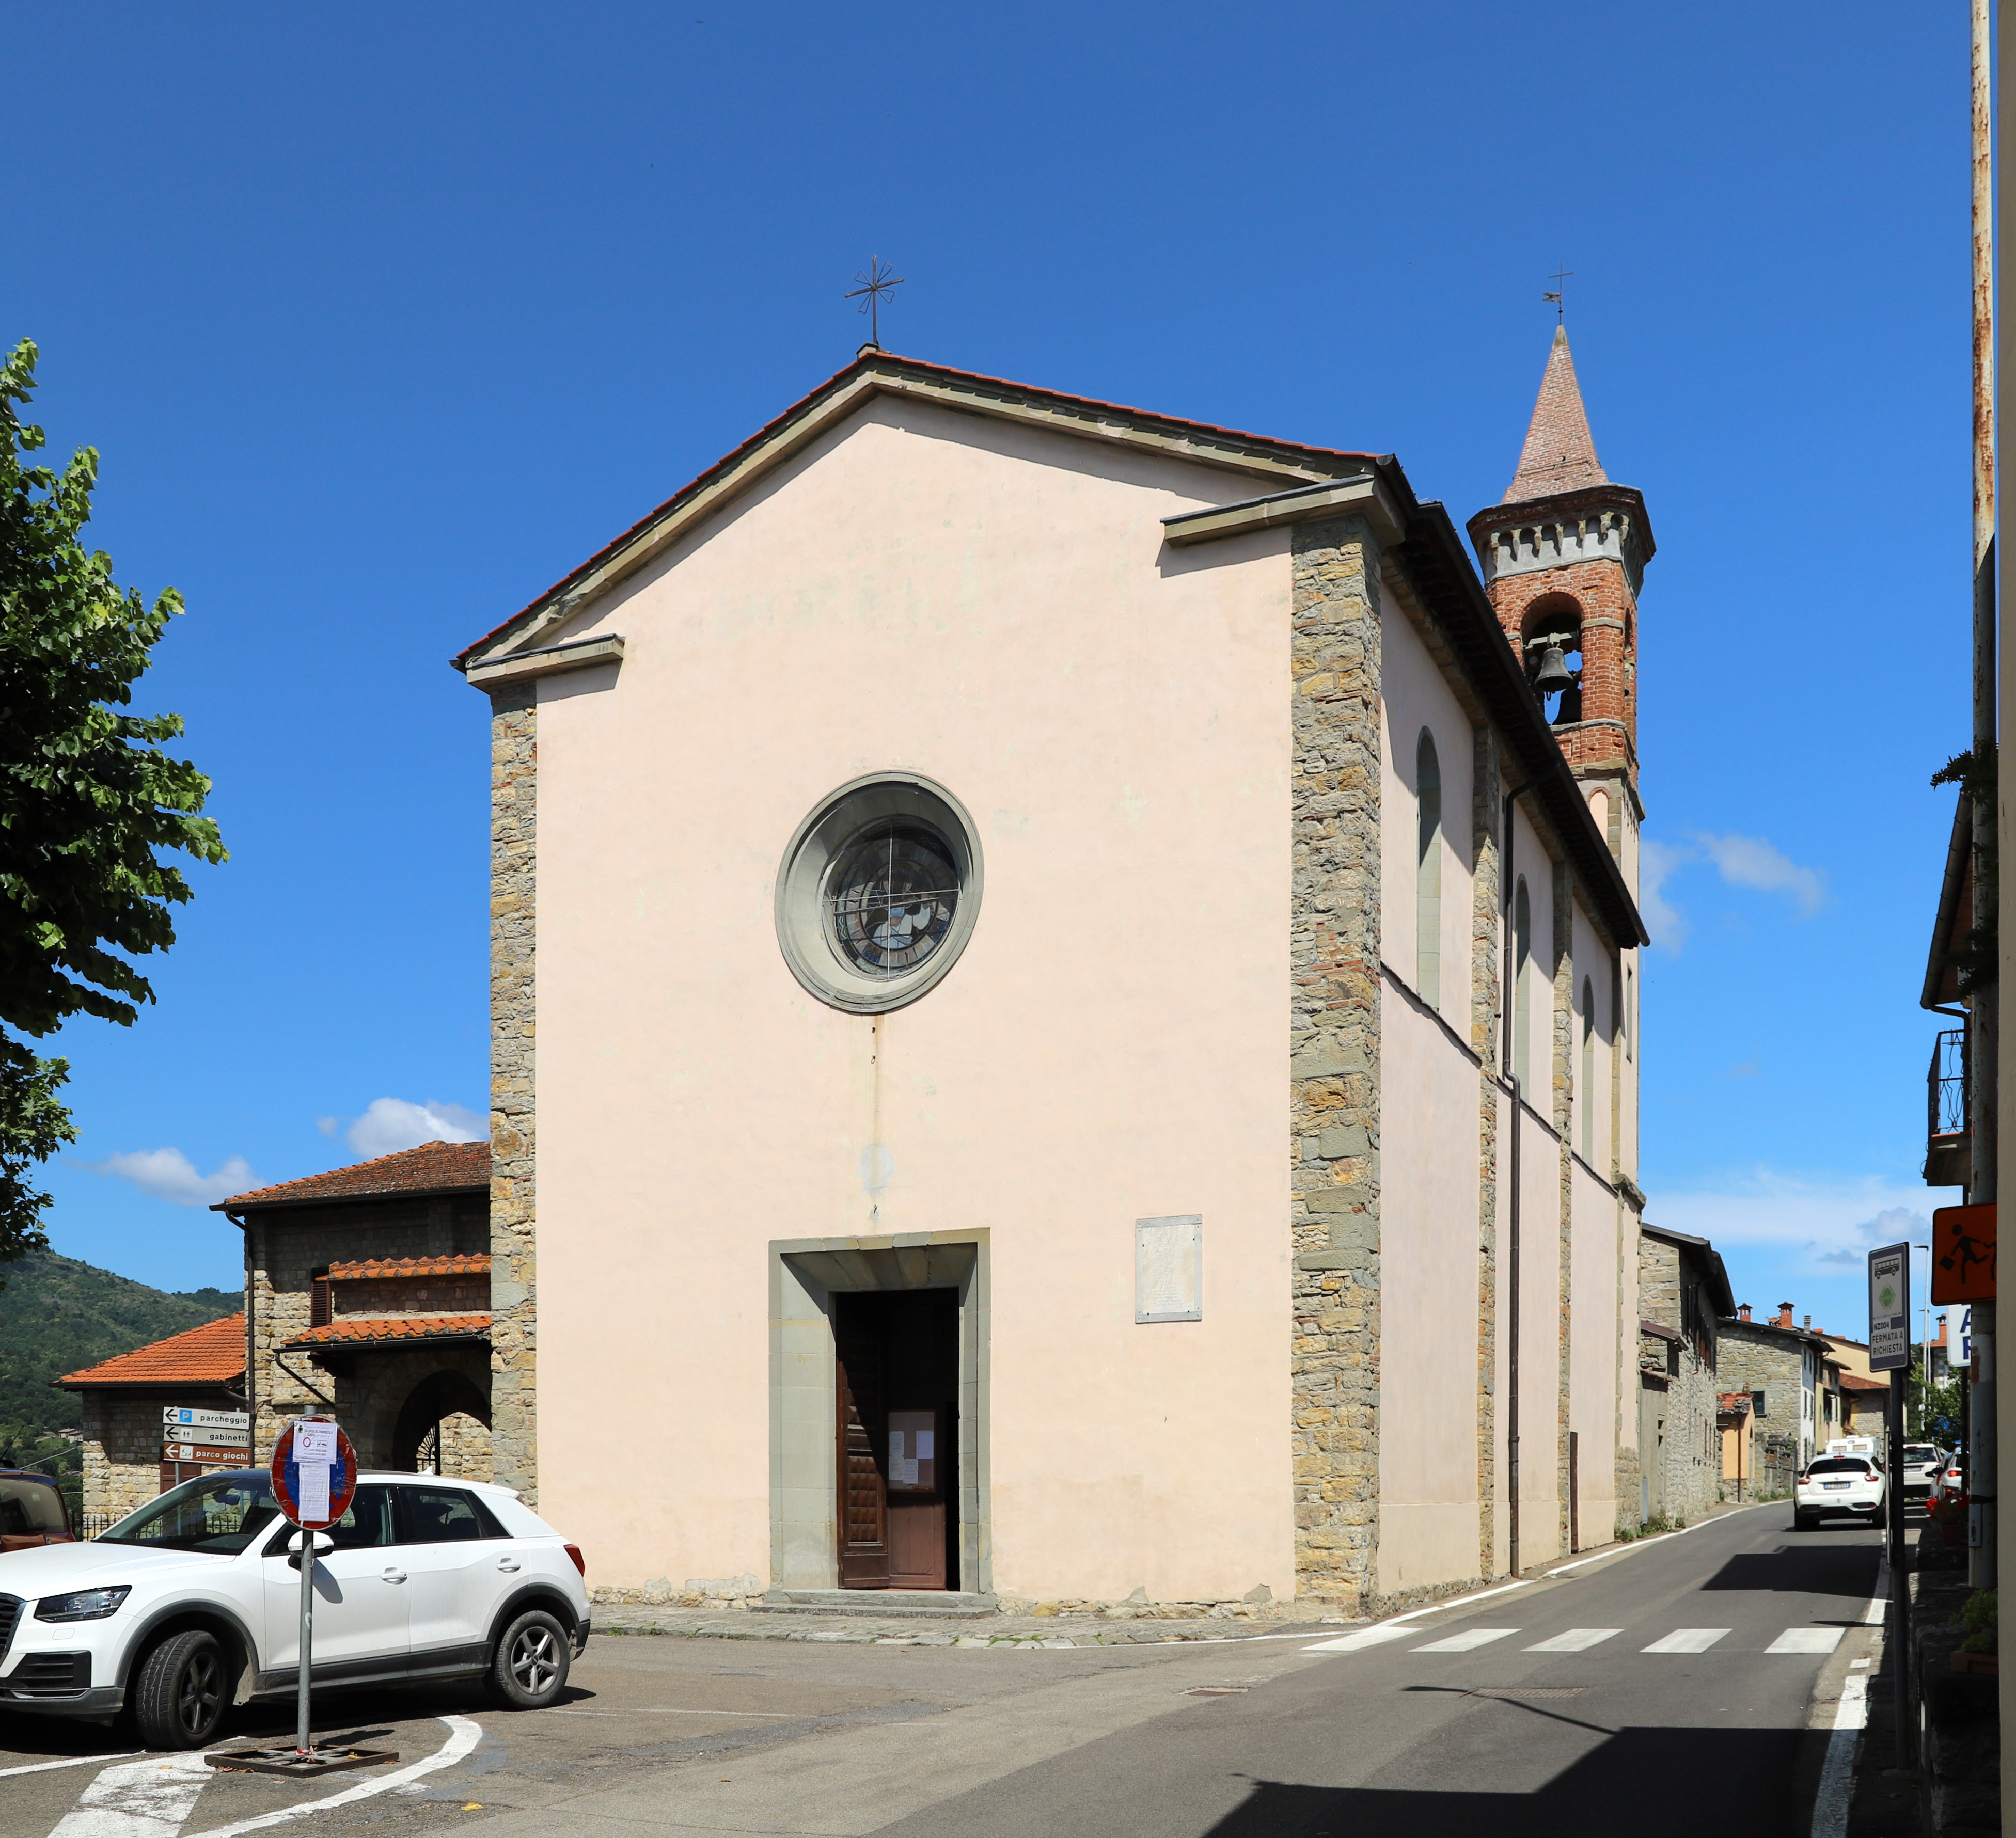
<point>896,1373</point>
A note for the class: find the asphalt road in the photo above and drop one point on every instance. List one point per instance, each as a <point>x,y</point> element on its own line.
<point>1283,1737</point>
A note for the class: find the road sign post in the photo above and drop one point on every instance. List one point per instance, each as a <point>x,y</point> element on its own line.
<point>1890,1351</point>
<point>314,1477</point>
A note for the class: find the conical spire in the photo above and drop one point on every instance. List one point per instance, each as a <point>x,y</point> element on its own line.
<point>1560,453</point>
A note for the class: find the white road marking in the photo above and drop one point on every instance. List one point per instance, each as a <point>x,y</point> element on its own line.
<point>148,1798</point>
<point>1576,1640</point>
<point>1837,1787</point>
<point>654,1710</point>
<point>1467,1641</point>
<point>463,1735</point>
<point>1879,1604</point>
<point>1807,1640</point>
<point>1687,1640</point>
<point>1357,1642</point>
<point>68,1761</point>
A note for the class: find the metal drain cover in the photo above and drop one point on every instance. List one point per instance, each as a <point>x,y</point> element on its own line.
<point>1528,1691</point>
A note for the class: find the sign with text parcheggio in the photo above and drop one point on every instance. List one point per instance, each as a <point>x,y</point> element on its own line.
<point>1890,1308</point>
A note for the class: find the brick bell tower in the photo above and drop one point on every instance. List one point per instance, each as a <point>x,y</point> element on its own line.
<point>1562,554</point>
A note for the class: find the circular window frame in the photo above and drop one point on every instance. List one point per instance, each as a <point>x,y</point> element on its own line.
<point>834,826</point>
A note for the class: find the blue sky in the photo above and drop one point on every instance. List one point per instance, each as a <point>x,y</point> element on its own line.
<point>382,317</point>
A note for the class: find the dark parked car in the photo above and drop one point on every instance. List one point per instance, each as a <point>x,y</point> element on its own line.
<point>32,1511</point>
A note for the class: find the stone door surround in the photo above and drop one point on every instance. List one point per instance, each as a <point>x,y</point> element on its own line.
<point>805,1273</point>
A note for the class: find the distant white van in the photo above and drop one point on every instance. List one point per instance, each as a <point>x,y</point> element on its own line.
<point>1852,1445</point>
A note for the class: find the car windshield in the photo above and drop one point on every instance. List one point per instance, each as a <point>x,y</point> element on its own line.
<point>1839,1465</point>
<point>1920,1452</point>
<point>219,1512</point>
<point>27,1508</point>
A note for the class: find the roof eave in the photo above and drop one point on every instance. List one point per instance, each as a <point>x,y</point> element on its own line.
<point>228,1206</point>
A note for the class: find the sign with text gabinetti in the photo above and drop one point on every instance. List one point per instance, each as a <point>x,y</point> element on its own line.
<point>1964,1253</point>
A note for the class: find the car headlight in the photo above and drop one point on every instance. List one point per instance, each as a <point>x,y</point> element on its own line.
<point>84,1605</point>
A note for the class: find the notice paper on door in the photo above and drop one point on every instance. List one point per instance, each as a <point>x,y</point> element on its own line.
<point>903,1468</point>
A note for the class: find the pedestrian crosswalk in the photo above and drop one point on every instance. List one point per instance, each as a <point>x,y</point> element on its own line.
<point>1808,1640</point>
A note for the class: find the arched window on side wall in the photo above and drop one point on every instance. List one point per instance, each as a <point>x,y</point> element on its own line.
<point>1587,1093</point>
<point>1522,984</point>
<point>1428,872</point>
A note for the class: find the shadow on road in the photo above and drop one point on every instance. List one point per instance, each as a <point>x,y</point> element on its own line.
<point>1817,1569</point>
<point>1653,1780</point>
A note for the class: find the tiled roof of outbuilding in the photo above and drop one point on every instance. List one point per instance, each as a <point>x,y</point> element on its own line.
<point>211,1354</point>
<point>433,1167</point>
<point>397,1327</point>
<point>477,1265</point>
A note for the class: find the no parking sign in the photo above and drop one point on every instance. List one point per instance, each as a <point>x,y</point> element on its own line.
<point>314,1473</point>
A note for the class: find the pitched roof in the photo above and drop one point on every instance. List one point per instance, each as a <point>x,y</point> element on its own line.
<point>399,1327</point>
<point>211,1354</point>
<point>1855,1382</point>
<point>1560,453</point>
<point>433,1167</point>
<point>879,372</point>
<point>477,1265</point>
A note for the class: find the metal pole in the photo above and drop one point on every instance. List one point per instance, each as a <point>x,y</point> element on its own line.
<point>1900,1599</point>
<point>302,1745</point>
<point>1982,1002</point>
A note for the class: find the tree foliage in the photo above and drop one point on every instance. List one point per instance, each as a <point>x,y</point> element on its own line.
<point>87,799</point>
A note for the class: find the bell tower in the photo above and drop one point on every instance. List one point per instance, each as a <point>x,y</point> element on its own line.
<point>1562,554</point>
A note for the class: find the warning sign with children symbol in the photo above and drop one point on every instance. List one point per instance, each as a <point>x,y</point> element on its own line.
<point>1964,1253</point>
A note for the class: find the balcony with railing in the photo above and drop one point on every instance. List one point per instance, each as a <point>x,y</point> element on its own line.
<point>1948,1150</point>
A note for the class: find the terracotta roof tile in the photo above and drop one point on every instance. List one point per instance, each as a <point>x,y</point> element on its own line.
<point>211,1354</point>
<point>402,1327</point>
<point>475,1265</point>
<point>1850,1381</point>
<point>433,1167</point>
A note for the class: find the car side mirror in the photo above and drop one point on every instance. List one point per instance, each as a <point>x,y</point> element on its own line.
<point>324,1544</point>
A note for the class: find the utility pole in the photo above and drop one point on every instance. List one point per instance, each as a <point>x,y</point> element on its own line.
<point>1982,1000</point>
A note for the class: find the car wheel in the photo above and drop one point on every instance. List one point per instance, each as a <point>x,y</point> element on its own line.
<point>529,1669</point>
<point>178,1692</point>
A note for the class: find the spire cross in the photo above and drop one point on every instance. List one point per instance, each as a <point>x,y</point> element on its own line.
<point>1558,277</point>
<point>872,287</point>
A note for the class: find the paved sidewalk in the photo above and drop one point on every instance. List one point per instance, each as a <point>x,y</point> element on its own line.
<point>979,1630</point>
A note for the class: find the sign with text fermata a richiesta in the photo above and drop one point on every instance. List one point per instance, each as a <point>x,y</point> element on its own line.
<point>1890,1308</point>
<point>1169,1268</point>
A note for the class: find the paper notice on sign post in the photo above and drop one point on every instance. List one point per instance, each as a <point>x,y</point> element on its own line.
<point>312,1501</point>
<point>314,1443</point>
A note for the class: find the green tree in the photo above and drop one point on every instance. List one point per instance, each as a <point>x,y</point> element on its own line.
<point>86,797</point>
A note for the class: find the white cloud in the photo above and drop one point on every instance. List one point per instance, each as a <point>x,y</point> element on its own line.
<point>390,1124</point>
<point>1829,1225</point>
<point>167,1173</point>
<point>1750,861</point>
<point>1664,920</point>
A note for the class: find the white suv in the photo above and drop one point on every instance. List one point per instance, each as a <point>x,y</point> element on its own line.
<point>192,1604</point>
<point>1837,1484</point>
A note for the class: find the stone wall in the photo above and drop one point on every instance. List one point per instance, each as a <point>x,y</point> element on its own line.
<point>1755,1358</point>
<point>1334,1089</point>
<point>513,1135</point>
<point>285,1247</point>
<point>1688,1454</point>
<point>122,1440</point>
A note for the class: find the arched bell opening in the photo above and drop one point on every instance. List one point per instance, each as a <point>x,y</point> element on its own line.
<point>1551,650</point>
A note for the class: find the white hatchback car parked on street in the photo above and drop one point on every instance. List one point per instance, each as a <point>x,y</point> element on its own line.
<point>192,1604</point>
<point>1837,1484</point>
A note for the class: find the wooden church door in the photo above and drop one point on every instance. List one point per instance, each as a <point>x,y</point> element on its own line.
<point>897,1368</point>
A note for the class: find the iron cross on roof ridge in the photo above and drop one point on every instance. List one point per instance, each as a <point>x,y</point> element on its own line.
<point>871,286</point>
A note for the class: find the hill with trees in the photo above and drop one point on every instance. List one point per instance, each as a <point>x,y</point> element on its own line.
<point>58,1315</point>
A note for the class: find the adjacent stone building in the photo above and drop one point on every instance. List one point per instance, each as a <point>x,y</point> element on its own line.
<point>1783,1366</point>
<point>1682,1291</point>
<point>127,1452</point>
<point>1073,956</point>
<point>368,1292</point>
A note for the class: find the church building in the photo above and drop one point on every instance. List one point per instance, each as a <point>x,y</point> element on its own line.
<point>1064,994</point>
